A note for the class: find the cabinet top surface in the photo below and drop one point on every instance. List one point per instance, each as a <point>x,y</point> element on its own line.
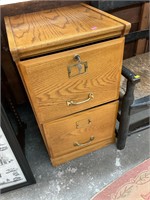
<point>50,30</point>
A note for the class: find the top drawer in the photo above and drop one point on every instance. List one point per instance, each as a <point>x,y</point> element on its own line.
<point>59,85</point>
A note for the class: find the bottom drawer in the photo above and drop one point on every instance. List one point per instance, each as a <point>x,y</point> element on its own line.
<point>81,133</point>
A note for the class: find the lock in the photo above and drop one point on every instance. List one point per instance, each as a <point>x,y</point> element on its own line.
<point>79,68</point>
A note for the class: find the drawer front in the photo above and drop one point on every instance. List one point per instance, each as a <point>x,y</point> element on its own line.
<point>81,131</point>
<point>65,83</point>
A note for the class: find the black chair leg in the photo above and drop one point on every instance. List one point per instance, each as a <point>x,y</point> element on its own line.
<point>127,101</point>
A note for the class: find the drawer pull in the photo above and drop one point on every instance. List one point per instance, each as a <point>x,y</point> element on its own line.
<point>84,144</point>
<point>71,102</point>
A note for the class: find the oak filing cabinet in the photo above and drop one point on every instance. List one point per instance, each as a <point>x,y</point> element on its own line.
<point>70,61</point>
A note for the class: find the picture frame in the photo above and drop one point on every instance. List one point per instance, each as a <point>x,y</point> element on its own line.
<point>15,171</point>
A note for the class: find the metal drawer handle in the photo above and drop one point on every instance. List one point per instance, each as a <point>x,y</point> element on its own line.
<point>84,144</point>
<point>71,102</point>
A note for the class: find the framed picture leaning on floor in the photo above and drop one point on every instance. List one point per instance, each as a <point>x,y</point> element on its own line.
<point>15,171</point>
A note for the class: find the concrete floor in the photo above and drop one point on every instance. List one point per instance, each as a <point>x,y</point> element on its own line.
<point>80,178</point>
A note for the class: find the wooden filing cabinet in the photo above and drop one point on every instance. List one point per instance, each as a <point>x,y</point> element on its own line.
<point>70,61</point>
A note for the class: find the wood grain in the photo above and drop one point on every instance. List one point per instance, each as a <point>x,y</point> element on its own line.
<point>130,14</point>
<point>63,133</point>
<point>7,62</point>
<point>33,108</point>
<point>125,24</point>
<point>47,31</point>
<point>81,152</point>
<point>47,82</point>
<point>49,87</point>
<point>144,24</point>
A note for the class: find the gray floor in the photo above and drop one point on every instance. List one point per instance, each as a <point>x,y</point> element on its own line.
<point>80,178</point>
